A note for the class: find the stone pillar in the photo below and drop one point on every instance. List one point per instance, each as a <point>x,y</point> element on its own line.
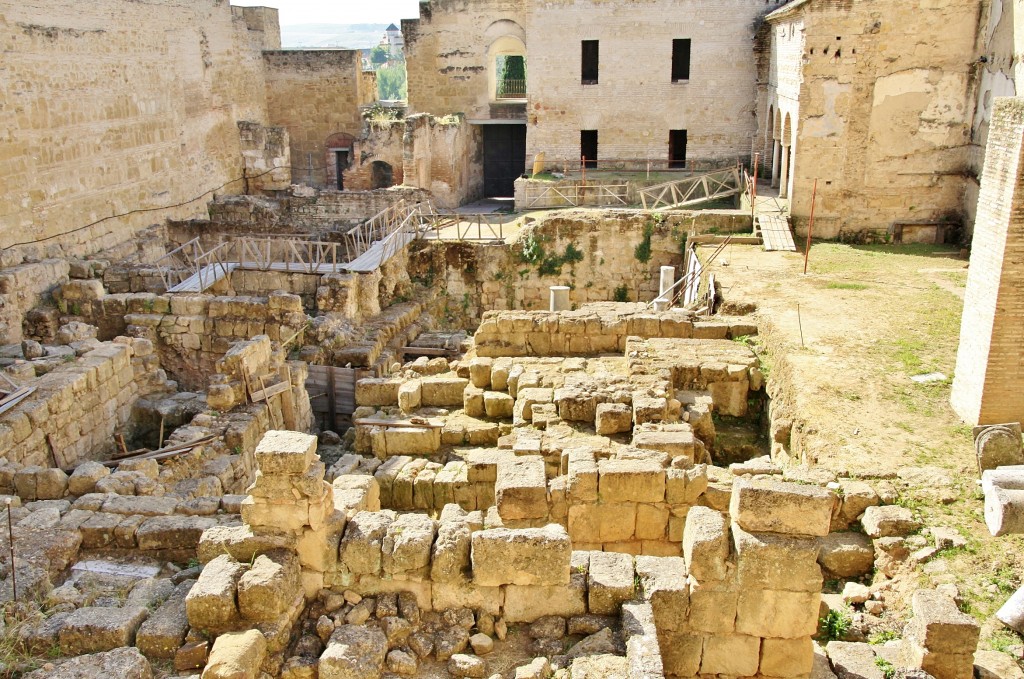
<point>668,279</point>
<point>559,298</point>
<point>784,174</point>
<point>989,368</point>
<point>776,152</point>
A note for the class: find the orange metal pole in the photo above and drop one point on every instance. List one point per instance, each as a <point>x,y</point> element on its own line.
<point>810,226</point>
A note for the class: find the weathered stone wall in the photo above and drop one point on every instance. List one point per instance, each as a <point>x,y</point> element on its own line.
<point>77,408</point>
<point>484,277</point>
<point>884,114</point>
<point>314,94</point>
<point>24,287</point>
<point>988,366</point>
<point>450,53</point>
<point>107,85</point>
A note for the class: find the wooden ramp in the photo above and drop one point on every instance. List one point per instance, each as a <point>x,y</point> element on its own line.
<point>379,252</point>
<point>775,232</point>
<point>205,277</point>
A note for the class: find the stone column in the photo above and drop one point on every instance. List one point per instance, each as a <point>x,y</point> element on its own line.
<point>776,152</point>
<point>668,279</point>
<point>989,368</point>
<point>784,174</point>
<point>560,298</point>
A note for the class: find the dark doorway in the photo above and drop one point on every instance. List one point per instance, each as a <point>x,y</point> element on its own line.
<point>588,148</point>
<point>340,165</point>
<point>382,175</point>
<point>504,159</point>
<point>677,148</point>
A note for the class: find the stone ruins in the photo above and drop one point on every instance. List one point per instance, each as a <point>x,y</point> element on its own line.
<point>296,383</point>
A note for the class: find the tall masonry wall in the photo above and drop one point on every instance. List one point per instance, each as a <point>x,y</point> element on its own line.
<point>989,365</point>
<point>315,94</point>
<point>451,50</point>
<point>885,113</point>
<point>112,107</point>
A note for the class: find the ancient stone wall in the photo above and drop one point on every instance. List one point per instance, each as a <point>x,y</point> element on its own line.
<point>108,85</point>
<point>988,365</point>
<point>78,407</point>
<point>884,112</point>
<point>594,253</point>
<point>314,94</point>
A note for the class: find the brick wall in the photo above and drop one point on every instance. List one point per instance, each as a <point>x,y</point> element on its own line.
<point>989,365</point>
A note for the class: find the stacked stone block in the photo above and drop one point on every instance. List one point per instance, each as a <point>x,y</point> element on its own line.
<point>590,332</point>
<point>940,639</point>
<point>79,406</point>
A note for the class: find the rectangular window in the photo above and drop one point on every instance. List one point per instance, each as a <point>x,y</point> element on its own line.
<point>677,148</point>
<point>680,60</point>
<point>588,71</point>
<point>588,148</point>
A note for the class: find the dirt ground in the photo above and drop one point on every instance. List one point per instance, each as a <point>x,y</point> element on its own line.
<point>843,342</point>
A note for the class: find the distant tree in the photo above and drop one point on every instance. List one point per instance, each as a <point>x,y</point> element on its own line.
<point>392,83</point>
<point>379,56</point>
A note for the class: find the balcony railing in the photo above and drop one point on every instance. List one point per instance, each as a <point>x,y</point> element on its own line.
<point>511,89</point>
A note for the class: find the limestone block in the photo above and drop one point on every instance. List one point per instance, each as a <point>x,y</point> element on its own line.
<point>846,555</point>
<point>888,521</point>
<point>269,586</point>
<point>355,493</point>
<point>526,603</point>
<point>93,629</point>
<point>442,391</point>
<point>498,405</point>
<point>236,655</point>
<point>767,505</point>
<point>582,476</point>
<point>480,372</point>
<point>730,398</point>
<point>411,441</point>
<point>211,604</point>
<point>450,557</point>
<point>938,625</point>
<point>285,452</point>
<point>173,532</point>
<point>239,542</point>
<point>164,632</point>
<point>706,544</point>
<point>609,583</point>
<point>363,542</point>
<point>651,522</point>
<point>575,405</point>
<point>851,659</point>
<point>786,657</point>
<point>613,418</point>
<point>631,481</point>
<point>665,586</point>
<point>731,654</point>
<point>354,652</point>
<point>773,561</point>
<point>379,391</point>
<point>521,488</point>
<point>713,606</point>
<point>409,397</point>
<point>783,615</point>
<point>528,556</point>
<point>648,408</point>
<point>473,401</point>
<point>678,441</point>
<point>83,479</point>
<point>407,544</point>
<point>856,497</point>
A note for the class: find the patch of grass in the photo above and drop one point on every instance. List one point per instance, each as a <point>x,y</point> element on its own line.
<point>843,285</point>
<point>888,669</point>
<point>1003,641</point>
<point>882,636</point>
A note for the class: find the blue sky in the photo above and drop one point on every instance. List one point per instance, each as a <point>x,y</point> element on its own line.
<point>338,11</point>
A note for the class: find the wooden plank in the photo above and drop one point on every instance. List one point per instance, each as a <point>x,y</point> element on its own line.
<point>272,390</point>
<point>14,398</point>
<point>332,401</point>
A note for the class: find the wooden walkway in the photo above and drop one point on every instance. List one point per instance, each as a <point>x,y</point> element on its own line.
<point>378,253</point>
<point>775,232</point>
<point>205,277</point>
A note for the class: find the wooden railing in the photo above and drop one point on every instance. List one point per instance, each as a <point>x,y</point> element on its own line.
<point>179,263</point>
<point>360,238</point>
<point>691,190</point>
<point>463,227</point>
<point>576,195</point>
